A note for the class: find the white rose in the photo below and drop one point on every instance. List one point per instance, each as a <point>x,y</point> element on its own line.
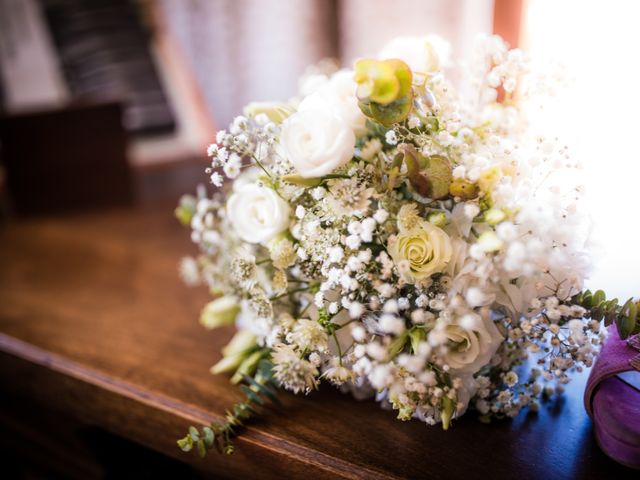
<point>473,340</point>
<point>339,96</point>
<point>423,54</point>
<point>257,213</point>
<point>316,141</point>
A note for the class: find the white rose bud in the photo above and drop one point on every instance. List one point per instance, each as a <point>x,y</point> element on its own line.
<point>257,213</point>
<point>316,142</point>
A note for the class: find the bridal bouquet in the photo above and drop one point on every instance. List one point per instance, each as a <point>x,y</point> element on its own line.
<point>397,230</point>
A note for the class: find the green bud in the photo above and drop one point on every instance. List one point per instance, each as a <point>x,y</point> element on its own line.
<point>242,341</point>
<point>248,366</point>
<point>277,112</point>
<point>448,407</point>
<point>463,189</point>
<point>220,312</point>
<point>494,216</point>
<point>301,181</point>
<point>185,210</point>
<point>489,241</point>
<point>235,352</point>
<point>439,219</point>
<point>228,363</point>
<point>382,81</point>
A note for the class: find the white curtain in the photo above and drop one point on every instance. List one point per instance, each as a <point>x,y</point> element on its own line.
<point>244,50</point>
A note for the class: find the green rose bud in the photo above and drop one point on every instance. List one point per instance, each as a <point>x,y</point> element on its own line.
<point>277,112</point>
<point>439,219</point>
<point>494,216</point>
<point>220,312</point>
<point>235,352</point>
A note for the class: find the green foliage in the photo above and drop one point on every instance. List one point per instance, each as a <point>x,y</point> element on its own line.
<point>429,176</point>
<point>599,308</point>
<point>262,386</point>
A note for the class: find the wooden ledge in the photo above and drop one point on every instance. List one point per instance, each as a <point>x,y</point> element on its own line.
<point>95,326</point>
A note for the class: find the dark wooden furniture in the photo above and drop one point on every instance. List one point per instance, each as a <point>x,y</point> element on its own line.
<point>99,339</point>
<point>70,159</point>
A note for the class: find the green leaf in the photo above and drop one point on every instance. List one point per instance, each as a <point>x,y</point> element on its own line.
<point>248,366</point>
<point>416,335</point>
<point>195,435</point>
<point>209,436</point>
<point>202,449</point>
<point>264,389</point>
<point>438,173</point>
<point>626,321</point>
<point>251,394</point>
<point>186,443</point>
<point>598,298</point>
<point>397,345</point>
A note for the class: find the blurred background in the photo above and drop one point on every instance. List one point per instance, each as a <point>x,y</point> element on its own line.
<point>112,102</point>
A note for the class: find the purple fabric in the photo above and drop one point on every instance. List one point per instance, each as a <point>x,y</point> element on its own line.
<point>613,405</point>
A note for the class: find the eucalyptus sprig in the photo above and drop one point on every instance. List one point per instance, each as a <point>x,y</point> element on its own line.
<point>259,388</point>
<point>599,308</point>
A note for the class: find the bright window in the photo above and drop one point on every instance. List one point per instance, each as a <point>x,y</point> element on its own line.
<point>598,41</point>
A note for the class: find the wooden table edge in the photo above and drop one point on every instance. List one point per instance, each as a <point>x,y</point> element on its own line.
<point>182,412</point>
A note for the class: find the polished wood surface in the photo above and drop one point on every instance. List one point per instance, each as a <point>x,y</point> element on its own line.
<point>96,325</point>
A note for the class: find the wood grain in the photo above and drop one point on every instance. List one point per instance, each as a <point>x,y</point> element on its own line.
<point>95,325</point>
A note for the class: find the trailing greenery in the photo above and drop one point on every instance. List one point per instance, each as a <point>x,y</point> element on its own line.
<point>259,388</point>
<point>599,308</point>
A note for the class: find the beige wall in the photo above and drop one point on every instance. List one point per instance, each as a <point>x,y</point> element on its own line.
<point>246,50</point>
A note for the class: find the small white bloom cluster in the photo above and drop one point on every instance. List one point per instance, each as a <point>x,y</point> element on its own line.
<point>425,250</point>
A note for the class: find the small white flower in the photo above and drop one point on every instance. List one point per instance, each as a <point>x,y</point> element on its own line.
<point>232,167</point>
<point>300,211</point>
<point>413,122</point>
<point>336,254</point>
<point>381,215</point>
<point>391,324</point>
<point>390,137</point>
<point>353,242</point>
<point>356,310</point>
<point>511,379</point>
<point>217,179</point>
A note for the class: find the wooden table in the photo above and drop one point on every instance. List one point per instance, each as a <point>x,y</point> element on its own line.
<point>97,333</point>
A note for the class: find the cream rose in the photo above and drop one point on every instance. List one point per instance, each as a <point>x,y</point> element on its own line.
<point>339,96</point>
<point>423,54</point>
<point>420,251</point>
<point>316,141</point>
<point>257,213</point>
<point>472,341</point>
